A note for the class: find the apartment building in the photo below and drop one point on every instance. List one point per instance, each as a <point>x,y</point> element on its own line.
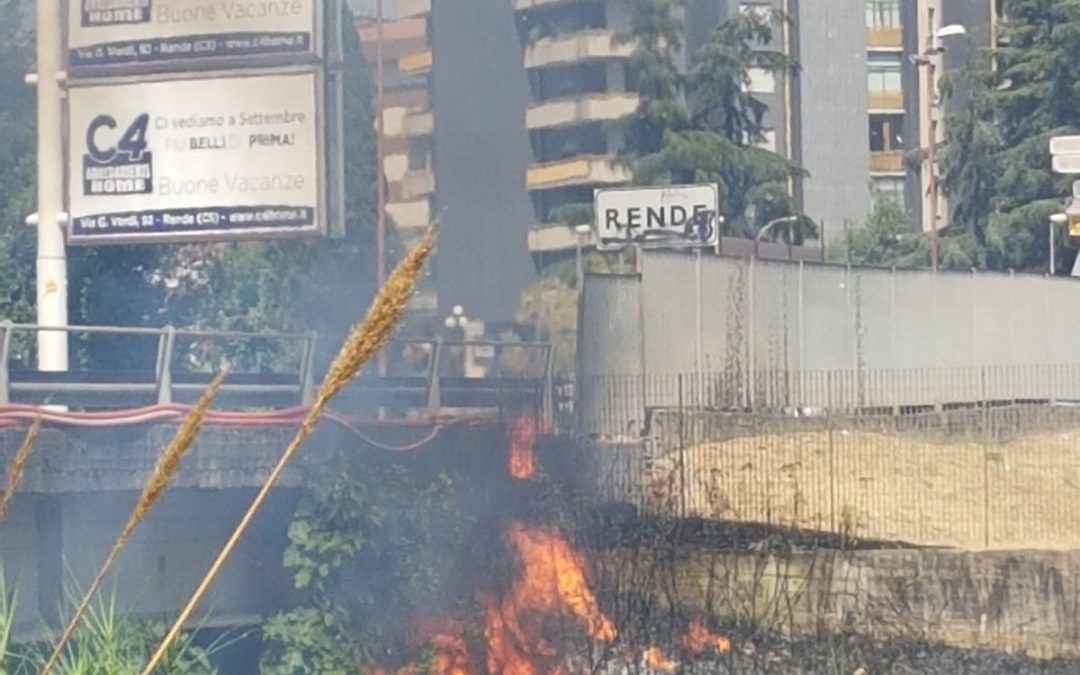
<point>408,120</point>
<point>580,86</point>
<point>576,66</point>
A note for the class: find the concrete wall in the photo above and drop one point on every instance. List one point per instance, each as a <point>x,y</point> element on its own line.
<point>54,544</point>
<point>1024,602</point>
<point>757,323</point>
<point>833,123</point>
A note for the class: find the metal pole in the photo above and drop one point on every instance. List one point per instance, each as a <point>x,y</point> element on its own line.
<point>580,267</point>
<point>51,255</point>
<point>380,152</point>
<point>380,143</point>
<point>1053,257</point>
<point>931,71</point>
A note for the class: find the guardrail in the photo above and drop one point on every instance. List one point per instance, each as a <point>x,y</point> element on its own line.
<point>424,373</point>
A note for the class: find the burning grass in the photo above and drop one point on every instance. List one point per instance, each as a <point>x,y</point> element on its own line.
<point>523,447</point>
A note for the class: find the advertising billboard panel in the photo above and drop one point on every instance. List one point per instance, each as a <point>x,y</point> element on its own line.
<point>167,33</point>
<point>235,156</point>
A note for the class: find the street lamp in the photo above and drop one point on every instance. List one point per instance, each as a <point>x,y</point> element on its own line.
<point>1057,220</point>
<point>927,60</point>
<point>457,318</point>
<point>580,232</point>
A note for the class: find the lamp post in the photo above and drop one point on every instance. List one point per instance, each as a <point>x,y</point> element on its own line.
<point>1057,220</point>
<point>928,60</point>
<point>580,232</point>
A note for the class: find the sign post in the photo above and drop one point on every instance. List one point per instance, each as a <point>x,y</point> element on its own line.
<point>52,283</point>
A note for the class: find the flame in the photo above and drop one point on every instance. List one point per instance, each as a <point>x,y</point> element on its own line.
<point>552,582</point>
<point>655,659</point>
<point>523,447</point>
<point>698,639</point>
<point>445,638</point>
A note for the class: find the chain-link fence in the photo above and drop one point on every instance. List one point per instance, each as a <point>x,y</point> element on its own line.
<point>995,464</point>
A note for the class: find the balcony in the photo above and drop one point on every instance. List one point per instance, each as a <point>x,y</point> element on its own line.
<point>885,100</point>
<point>413,7</point>
<point>563,112</point>
<point>410,216</point>
<point>555,237</point>
<point>888,161</point>
<point>525,5</point>
<point>417,184</point>
<point>588,170</point>
<point>590,45</point>
<point>884,38</point>
<point>418,123</point>
<point>416,64</point>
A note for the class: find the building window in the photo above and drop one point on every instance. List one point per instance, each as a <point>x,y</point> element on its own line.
<point>883,14</point>
<point>552,145</point>
<point>584,78</point>
<point>762,81</point>
<point>420,153</point>
<point>767,140</point>
<point>889,187</point>
<point>883,71</point>
<point>886,133</point>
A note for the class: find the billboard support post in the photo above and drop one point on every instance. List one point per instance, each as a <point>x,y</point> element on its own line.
<point>52,287</point>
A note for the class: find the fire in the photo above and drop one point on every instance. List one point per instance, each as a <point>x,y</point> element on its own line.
<point>523,447</point>
<point>698,639</point>
<point>655,659</point>
<point>552,582</point>
<point>450,654</point>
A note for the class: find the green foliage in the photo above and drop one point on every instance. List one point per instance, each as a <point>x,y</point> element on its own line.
<point>368,545</point>
<point>703,126</point>
<point>996,162</point>
<point>17,169</point>
<point>886,240</point>
<point>108,643</point>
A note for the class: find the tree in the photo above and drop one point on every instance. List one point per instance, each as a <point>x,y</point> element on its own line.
<point>706,125</point>
<point>886,240</point>
<point>17,152</point>
<point>996,164</point>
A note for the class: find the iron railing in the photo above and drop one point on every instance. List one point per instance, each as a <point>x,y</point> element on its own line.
<point>426,373</point>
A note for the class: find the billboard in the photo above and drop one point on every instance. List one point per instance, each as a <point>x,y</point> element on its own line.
<point>232,156</point>
<point>671,216</point>
<point>106,33</point>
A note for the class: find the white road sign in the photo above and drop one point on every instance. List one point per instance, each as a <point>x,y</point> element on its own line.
<point>1067,164</point>
<point>196,159</point>
<point>676,216</point>
<point>1065,145</point>
<point>138,32</point>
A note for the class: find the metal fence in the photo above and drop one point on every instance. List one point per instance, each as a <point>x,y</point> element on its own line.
<point>974,472</point>
<point>120,367</point>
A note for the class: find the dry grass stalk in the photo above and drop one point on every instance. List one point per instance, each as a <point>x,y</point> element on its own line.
<point>18,465</point>
<point>365,340</point>
<point>168,465</point>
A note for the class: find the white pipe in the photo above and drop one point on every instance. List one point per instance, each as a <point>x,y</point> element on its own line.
<point>51,259</point>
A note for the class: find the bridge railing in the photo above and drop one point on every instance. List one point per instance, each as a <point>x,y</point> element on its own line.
<point>142,366</point>
<point>148,374</point>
